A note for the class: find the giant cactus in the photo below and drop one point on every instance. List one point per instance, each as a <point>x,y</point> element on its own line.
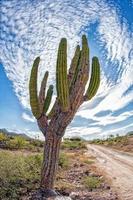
<point>70,95</point>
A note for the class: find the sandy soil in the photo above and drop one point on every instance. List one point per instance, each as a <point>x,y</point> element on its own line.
<point>116,166</point>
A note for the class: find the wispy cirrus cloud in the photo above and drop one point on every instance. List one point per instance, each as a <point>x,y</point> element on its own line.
<point>36,30</point>
<point>27,117</point>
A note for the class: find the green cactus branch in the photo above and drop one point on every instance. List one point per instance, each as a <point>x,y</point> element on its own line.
<point>42,91</point>
<point>61,76</point>
<point>84,62</point>
<point>48,99</point>
<point>39,105</point>
<point>33,89</point>
<point>95,79</point>
<point>74,67</point>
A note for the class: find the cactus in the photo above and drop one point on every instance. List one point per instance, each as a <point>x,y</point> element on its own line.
<point>61,76</point>
<point>70,95</point>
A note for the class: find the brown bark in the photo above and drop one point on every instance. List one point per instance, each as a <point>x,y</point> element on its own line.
<point>53,132</point>
<point>50,162</point>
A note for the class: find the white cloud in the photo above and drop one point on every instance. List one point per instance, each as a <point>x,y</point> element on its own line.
<point>27,117</point>
<point>82,131</point>
<point>29,34</point>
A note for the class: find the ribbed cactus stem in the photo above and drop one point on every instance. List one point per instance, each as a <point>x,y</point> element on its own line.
<point>84,65</point>
<point>95,79</point>
<point>52,111</point>
<point>42,91</point>
<point>82,70</point>
<point>48,99</point>
<point>74,67</point>
<point>61,76</point>
<point>33,89</point>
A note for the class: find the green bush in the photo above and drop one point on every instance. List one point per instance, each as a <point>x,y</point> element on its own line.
<point>37,143</point>
<point>92,182</point>
<point>17,142</point>
<point>74,144</point>
<point>76,139</point>
<point>112,140</point>
<point>63,160</point>
<point>3,137</point>
<point>18,171</point>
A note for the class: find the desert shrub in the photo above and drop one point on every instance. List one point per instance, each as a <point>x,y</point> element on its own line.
<point>37,143</point>
<point>18,171</point>
<point>112,140</point>
<point>97,141</point>
<point>3,140</point>
<point>74,144</point>
<point>17,142</point>
<point>76,139</point>
<point>3,137</point>
<point>92,182</point>
<point>89,161</point>
<point>16,166</point>
<point>63,160</point>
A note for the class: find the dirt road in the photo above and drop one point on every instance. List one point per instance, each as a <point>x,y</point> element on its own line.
<point>117,166</point>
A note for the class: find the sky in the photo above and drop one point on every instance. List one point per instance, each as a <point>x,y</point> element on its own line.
<point>32,28</point>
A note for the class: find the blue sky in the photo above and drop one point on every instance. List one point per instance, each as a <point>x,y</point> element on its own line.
<point>34,28</point>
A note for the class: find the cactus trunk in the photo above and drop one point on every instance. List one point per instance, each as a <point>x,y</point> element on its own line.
<point>50,163</point>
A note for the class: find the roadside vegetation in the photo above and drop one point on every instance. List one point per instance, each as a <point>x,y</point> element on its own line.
<point>92,182</point>
<point>73,143</point>
<point>124,143</point>
<point>18,143</point>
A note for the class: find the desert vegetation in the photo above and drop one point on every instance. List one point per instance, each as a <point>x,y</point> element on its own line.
<point>20,170</point>
<point>17,142</point>
<point>122,143</point>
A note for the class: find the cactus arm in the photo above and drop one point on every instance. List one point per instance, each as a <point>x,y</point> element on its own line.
<point>94,81</point>
<point>48,99</point>
<point>82,70</point>
<point>61,76</point>
<point>74,67</point>
<point>52,111</point>
<point>84,65</point>
<point>42,91</point>
<point>82,76</point>
<point>33,89</point>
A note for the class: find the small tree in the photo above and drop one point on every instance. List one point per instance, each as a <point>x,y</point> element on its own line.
<point>70,95</point>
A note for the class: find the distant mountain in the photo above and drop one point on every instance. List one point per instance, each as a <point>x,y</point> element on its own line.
<point>10,133</point>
